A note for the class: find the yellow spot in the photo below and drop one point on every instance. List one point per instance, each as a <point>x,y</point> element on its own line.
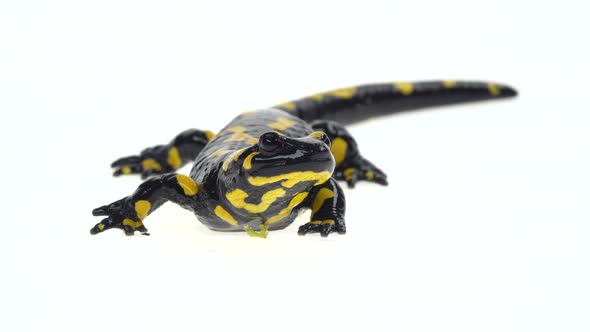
<point>101,227</point>
<point>493,88</point>
<point>318,96</point>
<point>291,179</point>
<point>339,147</point>
<point>225,216</point>
<point>316,134</point>
<point>132,223</point>
<point>235,130</point>
<point>296,200</point>
<point>218,153</point>
<point>233,157</point>
<point>262,234</point>
<point>319,199</point>
<point>142,208</point>
<point>322,222</point>
<point>151,163</point>
<point>209,135</point>
<point>288,105</point>
<point>187,184</point>
<point>126,170</point>
<point>405,88</point>
<point>281,124</point>
<point>238,153</point>
<point>369,175</point>
<point>248,112</point>
<point>248,160</point>
<point>174,158</point>
<point>344,93</point>
<point>239,134</point>
<point>449,84</point>
<point>348,173</point>
<point>238,196</point>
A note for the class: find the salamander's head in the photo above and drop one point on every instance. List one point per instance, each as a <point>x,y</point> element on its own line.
<point>276,158</point>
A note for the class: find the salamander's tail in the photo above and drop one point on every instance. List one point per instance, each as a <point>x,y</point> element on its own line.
<point>358,103</point>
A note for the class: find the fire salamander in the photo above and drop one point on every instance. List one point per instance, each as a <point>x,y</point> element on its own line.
<point>264,167</point>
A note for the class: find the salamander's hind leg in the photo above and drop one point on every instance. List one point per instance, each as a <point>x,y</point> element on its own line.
<point>161,159</point>
<point>350,164</point>
<point>327,210</point>
<point>128,213</point>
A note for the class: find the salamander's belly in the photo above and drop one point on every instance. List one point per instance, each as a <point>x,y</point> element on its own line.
<point>247,180</point>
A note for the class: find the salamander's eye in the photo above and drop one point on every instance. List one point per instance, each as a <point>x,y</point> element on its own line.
<point>321,136</point>
<point>270,142</point>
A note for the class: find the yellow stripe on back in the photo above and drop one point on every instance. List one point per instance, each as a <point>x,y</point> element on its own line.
<point>281,124</point>
<point>240,134</point>
<point>218,153</point>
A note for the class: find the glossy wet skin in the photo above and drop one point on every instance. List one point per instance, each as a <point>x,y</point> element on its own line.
<point>265,166</point>
<point>276,154</point>
<point>270,180</point>
<point>252,173</point>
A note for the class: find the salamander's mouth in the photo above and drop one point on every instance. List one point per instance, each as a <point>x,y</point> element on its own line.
<point>315,158</point>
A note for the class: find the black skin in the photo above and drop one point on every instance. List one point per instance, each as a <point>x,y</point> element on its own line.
<point>266,166</point>
<point>274,153</point>
<point>354,160</point>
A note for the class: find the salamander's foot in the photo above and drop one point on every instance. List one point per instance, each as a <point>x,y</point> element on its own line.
<point>324,227</point>
<point>119,215</point>
<point>360,169</point>
<point>152,161</point>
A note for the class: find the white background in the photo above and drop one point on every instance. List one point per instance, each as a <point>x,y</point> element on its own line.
<point>484,227</point>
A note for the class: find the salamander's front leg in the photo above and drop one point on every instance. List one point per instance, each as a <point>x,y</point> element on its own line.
<point>327,210</point>
<point>162,159</point>
<point>350,164</point>
<point>128,213</point>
